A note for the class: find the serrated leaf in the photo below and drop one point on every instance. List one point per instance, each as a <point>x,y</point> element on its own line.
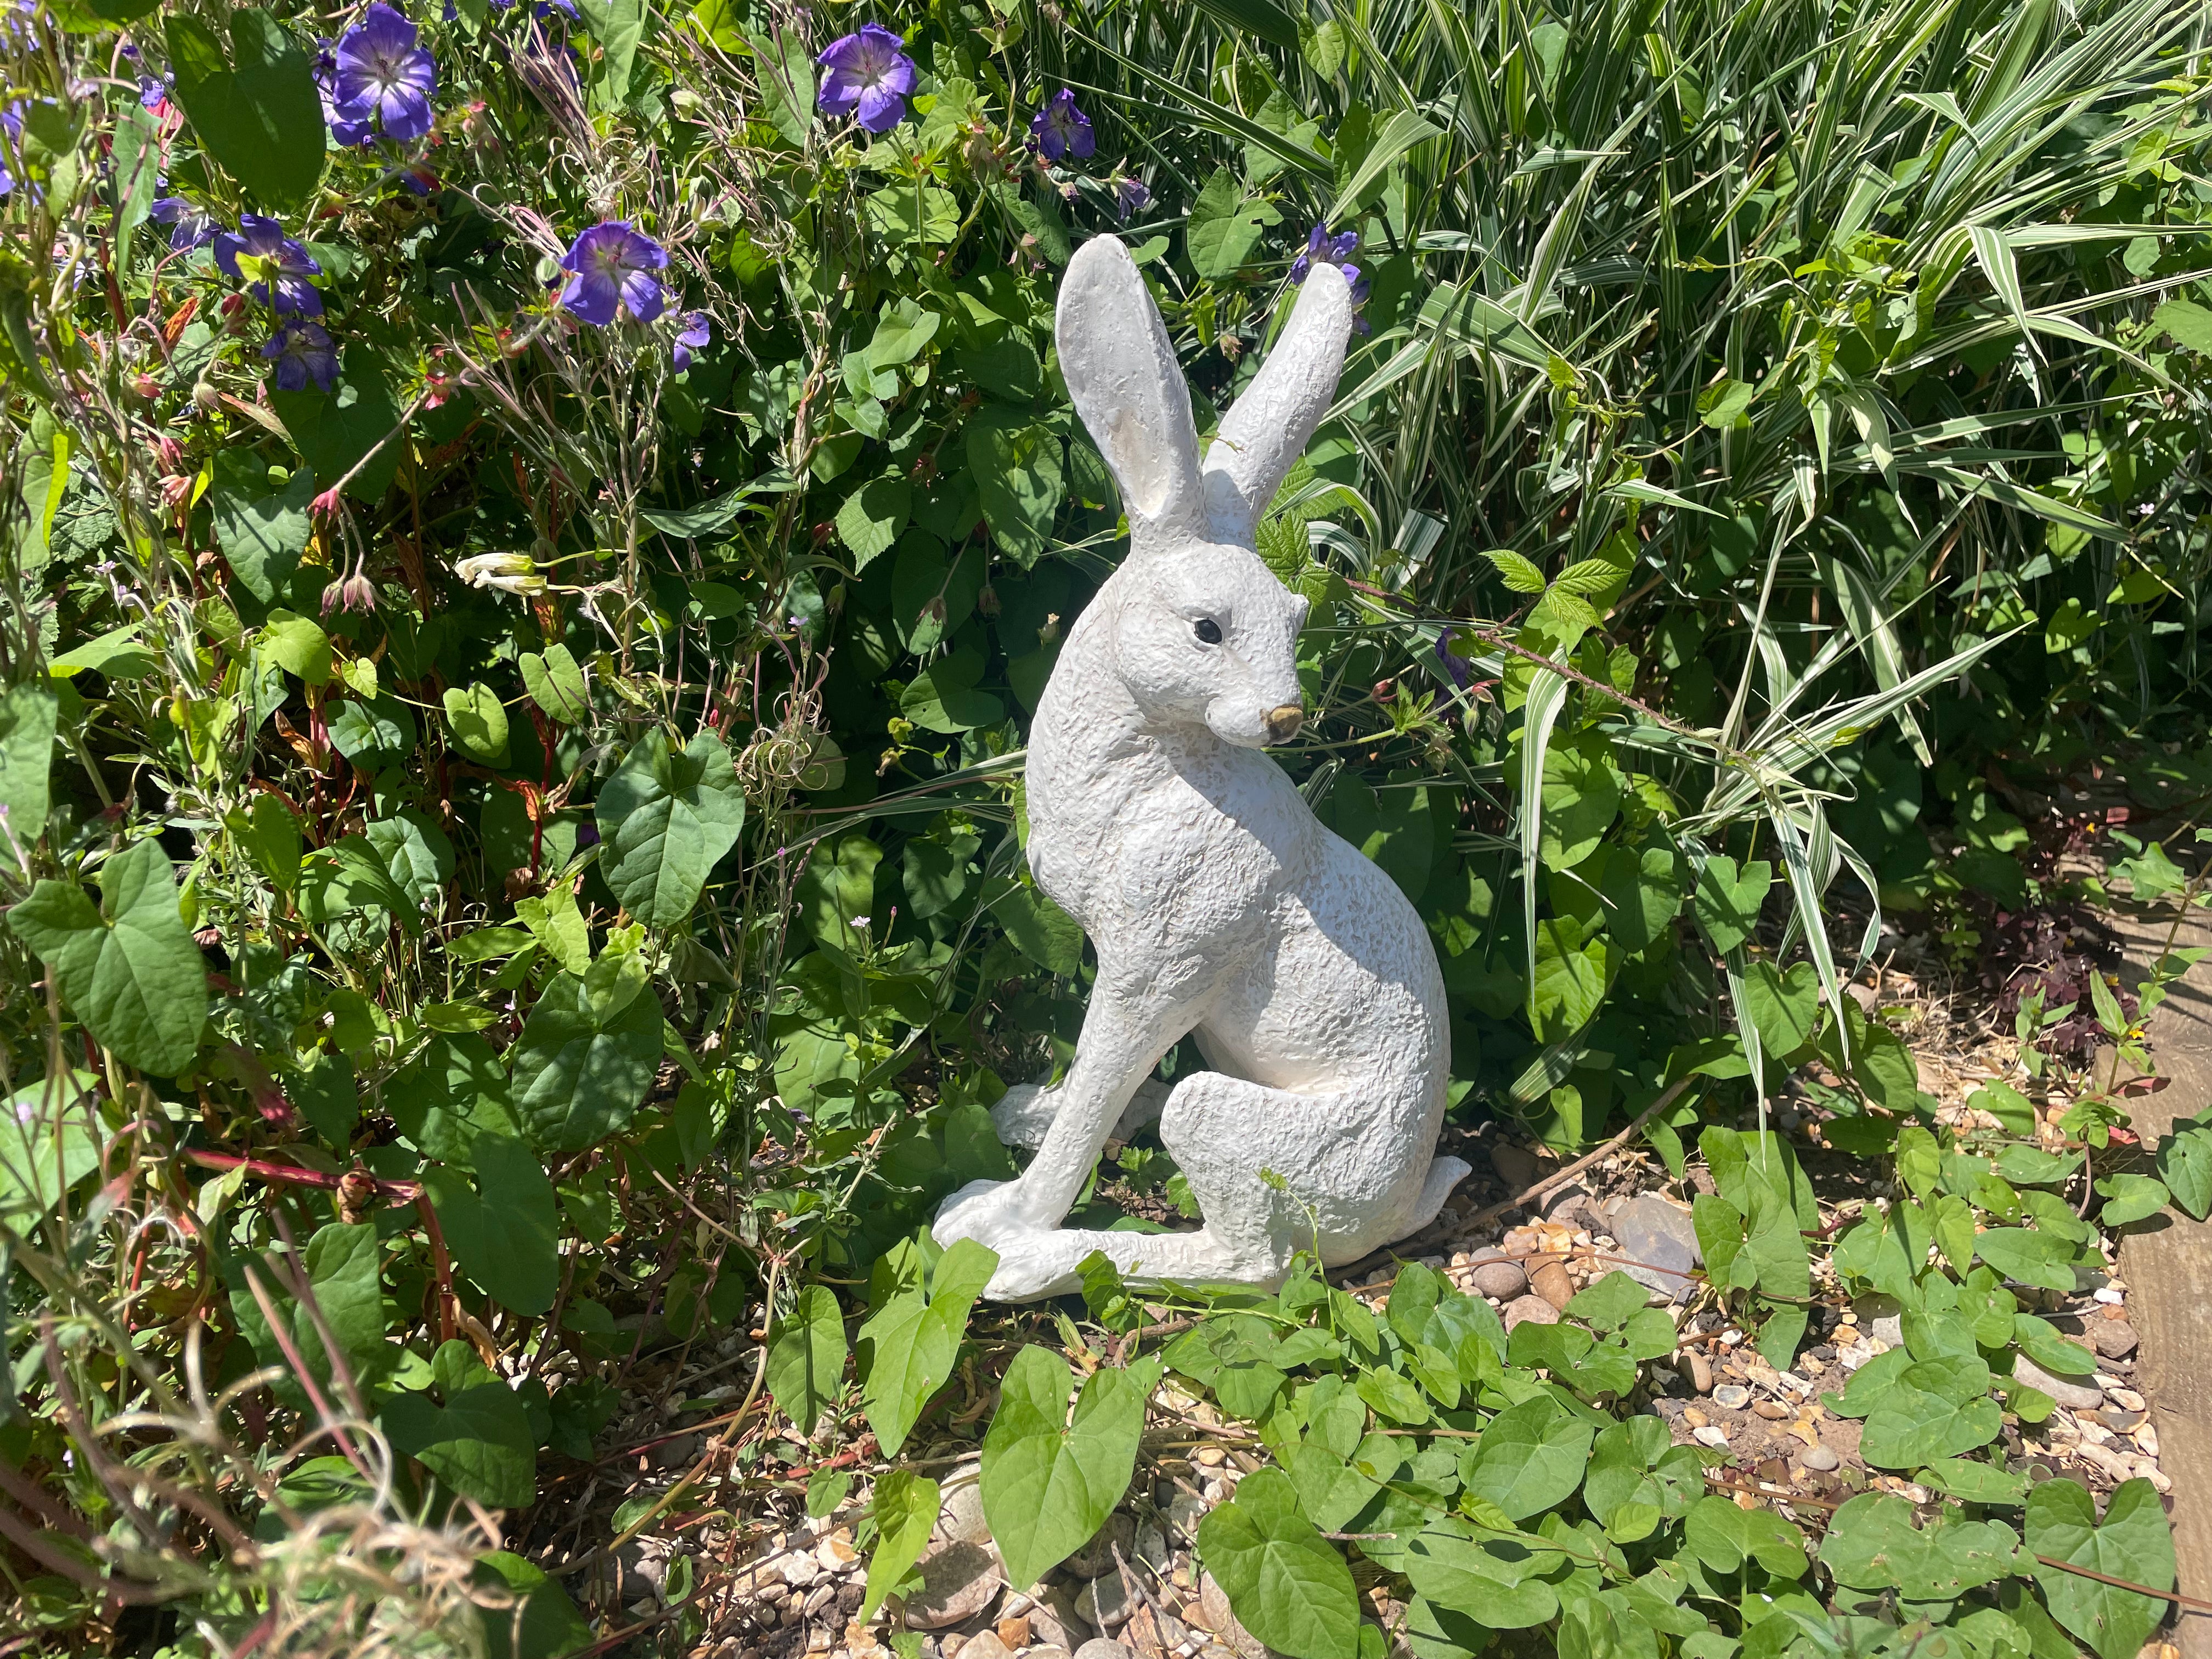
<point>1516,572</point>
<point>129,969</point>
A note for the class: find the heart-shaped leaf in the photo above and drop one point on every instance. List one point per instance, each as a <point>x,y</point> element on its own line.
<point>254,110</point>
<point>555,684</point>
<point>478,722</point>
<point>2134,1542</point>
<point>1284,1583</point>
<point>906,1509</point>
<point>806,1357</point>
<point>1531,1457</point>
<point>1727,900</point>
<point>907,1347</point>
<point>1049,1484</point>
<point>1785,1007</point>
<point>477,1441</point>
<point>667,817</point>
<point>582,1066</point>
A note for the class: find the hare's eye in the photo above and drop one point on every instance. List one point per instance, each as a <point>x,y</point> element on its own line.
<point>1209,631</point>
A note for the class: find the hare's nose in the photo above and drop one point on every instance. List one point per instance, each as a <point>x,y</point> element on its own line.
<point>1283,723</point>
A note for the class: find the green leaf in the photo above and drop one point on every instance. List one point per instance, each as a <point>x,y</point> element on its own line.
<point>478,1441</point>
<point>1040,929</point>
<point>50,1140</point>
<point>2133,1543</point>
<point>1609,1303</point>
<point>1727,900</point>
<point>555,684</point>
<point>255,110</point>
<point>1492,1581</point>
<point>120,654</point>
<point>372,734</point>
<point>942,697</point>
<point>1020,478</point>
<point>28,718</point>
<point>1048,1484</point>
<point>1873,1545</point>
<point>837,889</point>
<point>872,517</point>
<point>505,1231</point>
<point>542,1624</point>
<point>806,1357</point>
<point>1643,894</point>
<point>2032,1257</point>
<point>128,970</point>
<point>667,817</point>
<point>341,1265</point>
<point>2189,323</point>
<point>414,852</point>
<point>618,26</point>
<point>335,431</point>
<point>785,75</point>
<point>1935,1409</point>
<point>262,532</point>
<point>2185,1160</point>
<point>1519,575</point>
<point>1225,227</point>
<point>907,1346</point>
<point>583,1064</point>
<point>477,722</point>
<point>1582,797</point>
<point>2041,1343</point>
<point>1531,1458</point>
<point>297,645</point>
<point>906,1509</point>
<point>2130,1198</point>
<point>449,1094</point>
<point>1723,1537</point>
<point>1785,1007</point>
<point>1284,1583</point>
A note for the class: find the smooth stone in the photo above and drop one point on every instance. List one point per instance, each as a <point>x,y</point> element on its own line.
<point>1054,1621</point>
<point>1499,1277</point>
<point>2115,1339</point>
<point>985,1645</point>
<point>959,1580</point>
<point>1551,1281</point>
<point>2077,1396</point>
<point>799,1568</point>
<point>1822,1458</point>
<point>1183,1512</point>
<point>1105,1602</point>
<point>1525,1308</point>
<point>2120,1422</point>
<point>1099,1648</point>
<point>1649,1229</point>
<point>1096,1559</point>
<point>1733,1395</point>
<point>1772,1410</point>
<point>960,1514</point>
<point>1695,1369</point>
<point>1712,1435</point>
<point>1516,1167</point>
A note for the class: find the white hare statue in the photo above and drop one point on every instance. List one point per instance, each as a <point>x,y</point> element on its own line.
<point>1218,904</point>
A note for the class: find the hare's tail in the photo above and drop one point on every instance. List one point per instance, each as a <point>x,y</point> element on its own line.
<point>1445,1173</point>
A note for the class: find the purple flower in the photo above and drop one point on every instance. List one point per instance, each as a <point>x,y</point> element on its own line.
<point>11,133</point>
<point>869,77</point>
<point>1130,197</point>
<point>191,225</point>
<point>302,352</point>
<point>1060,130</point>
<point>1324,249</point>
<point>698,334</point>
<point>265,239</point>
<point>345,128</point>
<point>153,92</point>
<point>610,265</point>
<point>381,71</point>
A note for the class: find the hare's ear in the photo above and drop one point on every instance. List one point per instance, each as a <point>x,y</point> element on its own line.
<point>1260,438</point>
<point>1122,373</point>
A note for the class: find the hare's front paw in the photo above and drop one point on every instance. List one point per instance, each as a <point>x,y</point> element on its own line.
<point>988,1211</point>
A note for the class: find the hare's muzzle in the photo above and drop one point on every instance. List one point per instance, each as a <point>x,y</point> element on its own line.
<point>1283,723</point>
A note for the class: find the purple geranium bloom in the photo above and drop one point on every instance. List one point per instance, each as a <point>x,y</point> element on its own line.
<point>1060,130</point>
<point>303,352</point>
<point>1324,249</point>
<point>610,265</point>
<point>265,239</point>
<point>153,92</point>
<point>1131,196</point>
<point>190,224</point>
<point>381,71</point>
<point>698,334</point>
<point>869,77</point>
<point>346,129</point>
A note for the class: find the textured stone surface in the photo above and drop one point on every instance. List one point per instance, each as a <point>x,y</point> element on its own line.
<point>958,1582</point>
<point>1528,1308</point>
<point>1551,1280</point>
<point>2079,1397</point>
<point>1495,1274</point>
<point>1216,901</point>
<point>1648,1229</point>
<point>1100,1648</point>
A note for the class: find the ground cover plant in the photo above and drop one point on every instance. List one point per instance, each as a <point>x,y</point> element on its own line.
<point>530,534</point>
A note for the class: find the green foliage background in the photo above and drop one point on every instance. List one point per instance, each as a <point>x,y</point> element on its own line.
<point>523,850</point>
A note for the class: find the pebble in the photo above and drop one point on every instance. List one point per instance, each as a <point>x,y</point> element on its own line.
<point>1516,1167</point>
<point>2147,1438</point>
<point>1772,1410</point>
<point>2115,1339</point>
<point>1551,1282</point>
<point>836,1552</point>
<point>799,1568</point>
<point>960,1514</point>
<point>985,1645</point>
<point>2078,1397</point>
<point>1524,1309</point>
<point>1096,1559</point>
<point>1694,1417</point>
<point>2119,1421</point>
<point>959,1580</point>
<point>1015,1632</point>
<point>1499,1277</point>
<point>1712,1435</point>
<point>1099,1648</point>
<point>1695,1369</point>
<point>1211,1456</point>
<point>2126,1398</point>
<point>1822,1458</point>
<point>1732,1396</point>
<point>1651,1229</point>
<point>1104,1602</point>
